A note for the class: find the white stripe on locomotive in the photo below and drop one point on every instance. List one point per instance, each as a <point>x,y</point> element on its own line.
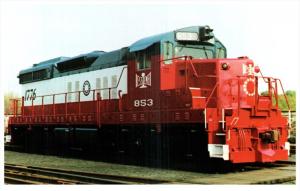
<point>59,85</point>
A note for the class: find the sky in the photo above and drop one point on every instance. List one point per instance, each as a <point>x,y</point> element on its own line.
<point>33,31</point>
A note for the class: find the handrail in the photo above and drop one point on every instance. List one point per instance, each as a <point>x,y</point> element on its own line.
<point>287,103</point>
<point>286,100</point>
<point>193,67</point>
<point>209,97</point>
<point>120,77</point>
<point>207,101</point>
<point>275,94</point>
<point>205,125</point>
<point>223,119</point>
<point>275,80</point>
<point>186,71</point>
<point>275,89</point>
<point>65,95</point>
<point>262,76</point>
<point>15,102</point>
<point>190,58</point>
<point>177,58</point>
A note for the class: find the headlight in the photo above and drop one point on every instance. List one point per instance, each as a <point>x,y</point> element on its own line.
<point>187,36</point>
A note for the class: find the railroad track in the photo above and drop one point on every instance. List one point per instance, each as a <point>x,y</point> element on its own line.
<point>263,173</point>
<point>18,174</point>
<point>286,162</point>
<point>282,172</point>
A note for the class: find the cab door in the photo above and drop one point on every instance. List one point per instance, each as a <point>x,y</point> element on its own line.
<point>144,78</point>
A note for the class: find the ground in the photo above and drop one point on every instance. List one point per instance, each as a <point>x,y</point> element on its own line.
<point>237,177</point>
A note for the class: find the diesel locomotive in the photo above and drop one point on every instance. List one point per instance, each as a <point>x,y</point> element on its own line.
<point>170,96</point>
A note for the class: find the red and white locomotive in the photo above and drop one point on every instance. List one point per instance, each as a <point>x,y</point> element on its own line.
<point>172,95</point>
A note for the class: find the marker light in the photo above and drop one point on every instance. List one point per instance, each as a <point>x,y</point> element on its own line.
<point>224,66</point>
<point>256,69</point>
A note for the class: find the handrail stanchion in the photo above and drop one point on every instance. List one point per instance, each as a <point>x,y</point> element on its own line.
<point>23,105</point>
<point>256,98</point>
<point>212,92</point>
<point>193,67</point>
<point>98,112</point>
<point>239,96</point>
<point>109,96</point>
<point>223,119</point>
<point>32,107</point>
<point>206,104</point>
<point>186,73</point>
<point>79,107</point>
<point>120,100</point>
<point>290,119</point>
<point>94,95</point>
<point>276,93</point>
<point>205,125</point>
<point>270,88</point>
<point>290,124</point>
<point>286,100</point>
<point>97,108</point>
<point>94,100</point>
<point>66,105</point>
<point>15,109</point>
<point>53,102</point>
<point>43,107</point>
<point>17,106</point>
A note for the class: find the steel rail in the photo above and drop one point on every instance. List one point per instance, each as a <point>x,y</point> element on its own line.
<point>59,176</point>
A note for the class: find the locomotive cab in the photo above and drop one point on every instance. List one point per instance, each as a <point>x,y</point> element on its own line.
<point>194,68</point>
<point>150,62</point>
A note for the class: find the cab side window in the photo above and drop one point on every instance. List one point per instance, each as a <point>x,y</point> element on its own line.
<point>167,52</point>
<point>143,60</point>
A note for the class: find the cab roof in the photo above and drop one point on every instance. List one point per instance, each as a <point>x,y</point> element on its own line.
<point>168,36</point>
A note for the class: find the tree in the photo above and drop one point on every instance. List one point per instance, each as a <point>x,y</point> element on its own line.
<point>8,103</point>
<point>291,97</point>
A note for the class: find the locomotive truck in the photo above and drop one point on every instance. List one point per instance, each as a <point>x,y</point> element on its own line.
<point>170,96</point>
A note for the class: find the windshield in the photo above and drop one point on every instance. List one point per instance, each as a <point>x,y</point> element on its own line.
<point>220,53</point>
<point>195,52</point>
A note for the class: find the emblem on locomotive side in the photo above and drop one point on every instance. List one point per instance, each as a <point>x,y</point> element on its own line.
<point>30,94</point>
<point>249,86</point>
<point>249,70</point>
<point>143,81</point>
<point>249,83</point>
<point>86,88</point>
